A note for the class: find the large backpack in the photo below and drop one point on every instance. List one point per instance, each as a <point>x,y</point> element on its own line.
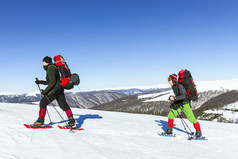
<point>186,79</point>
<point>68,80</point>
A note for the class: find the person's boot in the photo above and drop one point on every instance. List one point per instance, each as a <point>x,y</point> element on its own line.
<point>39,122</point>
<point>169,131</point>
<point>71,122</point>
<point>198,134</point>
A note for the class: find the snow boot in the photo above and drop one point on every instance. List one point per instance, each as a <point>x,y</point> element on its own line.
<point>198,134</point>
<point>39,122</point>
<point>71,123</point>
<point>168,132</point>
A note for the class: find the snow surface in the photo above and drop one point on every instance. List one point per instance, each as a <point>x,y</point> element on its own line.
<point>163,96</point>
<point>109,135</point>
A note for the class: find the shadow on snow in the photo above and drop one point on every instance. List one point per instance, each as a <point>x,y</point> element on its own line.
<point>80,120</point>
<point>164,126</point>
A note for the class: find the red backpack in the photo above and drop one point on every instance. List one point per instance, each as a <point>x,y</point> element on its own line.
<point>68,80</point>
<point>186,79</point>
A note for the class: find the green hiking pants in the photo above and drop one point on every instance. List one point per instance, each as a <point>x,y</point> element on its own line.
<point>187,111</point>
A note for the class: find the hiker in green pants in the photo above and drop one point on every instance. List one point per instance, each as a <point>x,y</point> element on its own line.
<point>180,103</point>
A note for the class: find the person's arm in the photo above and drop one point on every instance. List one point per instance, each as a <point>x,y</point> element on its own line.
<point>41,82</point>
<point>52,79</point>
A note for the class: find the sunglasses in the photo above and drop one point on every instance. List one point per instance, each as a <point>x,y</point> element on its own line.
<point>169,79</point>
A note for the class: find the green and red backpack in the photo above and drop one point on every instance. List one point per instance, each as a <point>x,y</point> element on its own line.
<point>186,79</point>
<point>68,80</point>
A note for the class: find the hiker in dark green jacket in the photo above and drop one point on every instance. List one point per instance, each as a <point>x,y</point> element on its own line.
<point>53,91</point>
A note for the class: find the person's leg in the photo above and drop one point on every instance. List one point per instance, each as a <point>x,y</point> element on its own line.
<point>62,102</point>
<point>189,113</point>
<point>42,112</point>
<point>65,107</point>
<point>172,114</point>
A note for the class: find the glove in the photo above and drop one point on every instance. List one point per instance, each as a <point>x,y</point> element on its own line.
<point>37,81</point>
<point>175,106</point>
<point>42,92</point>
<point>171,106</point>
<point>171,98</point>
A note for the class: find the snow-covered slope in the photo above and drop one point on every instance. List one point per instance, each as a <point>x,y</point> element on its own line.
<point>109,135</point>
<point>228,113</point>
<point>202,86</point>
<point>131,90</point>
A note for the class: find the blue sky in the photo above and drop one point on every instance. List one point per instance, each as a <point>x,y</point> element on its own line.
<point>114,43</point>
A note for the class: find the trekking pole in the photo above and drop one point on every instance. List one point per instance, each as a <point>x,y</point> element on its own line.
<point>184,123</point>
<point>78,88</point>
<point>46,109</point>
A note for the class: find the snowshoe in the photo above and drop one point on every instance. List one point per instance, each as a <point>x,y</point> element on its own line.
<point>166,135</point>
<point>78,129</point>
<point>197,136</point>
<point>37,127</point>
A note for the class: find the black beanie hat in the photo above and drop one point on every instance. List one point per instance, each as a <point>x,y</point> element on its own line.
<point>47,59</point>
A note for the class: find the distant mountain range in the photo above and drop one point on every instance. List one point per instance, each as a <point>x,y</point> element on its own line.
<point>85,99</point>
<point>19,98</point>
<point>75,100</point>
<point>130,91</point>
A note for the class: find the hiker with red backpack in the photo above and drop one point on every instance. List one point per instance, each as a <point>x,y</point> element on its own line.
<point>181,101</point>
<point>53,91</point>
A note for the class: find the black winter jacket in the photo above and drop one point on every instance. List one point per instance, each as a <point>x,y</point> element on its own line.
<point>52,80</point>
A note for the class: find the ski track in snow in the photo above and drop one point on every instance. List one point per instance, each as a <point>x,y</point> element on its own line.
<point>108,135</point>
